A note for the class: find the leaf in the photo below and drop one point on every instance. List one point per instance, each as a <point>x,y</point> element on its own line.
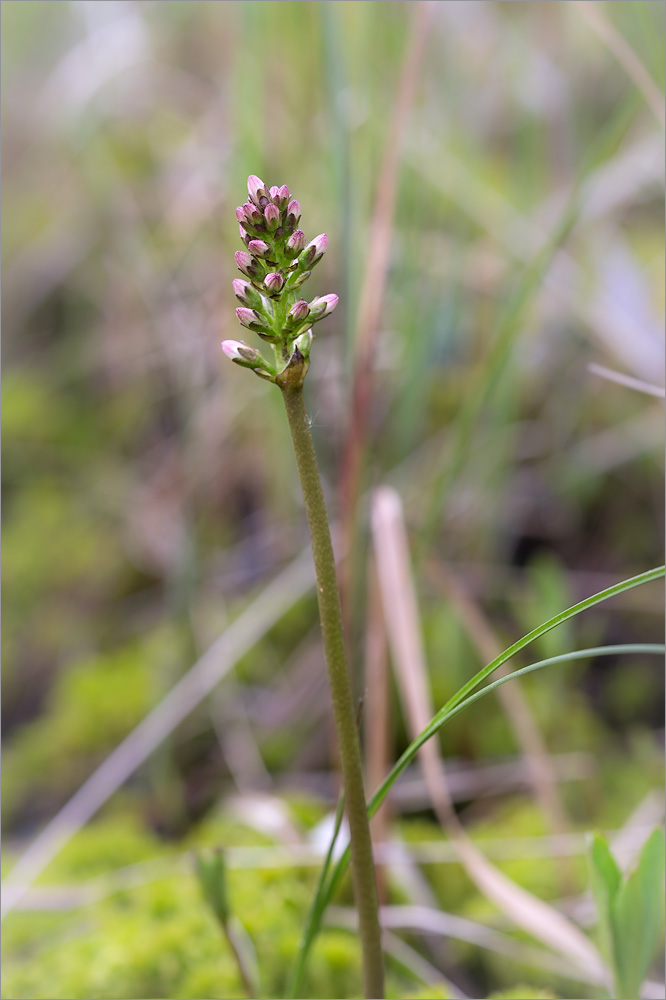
<point>637,916</point>
<point>605,880</point>
<point>401,615</point>
<point>211,871</point>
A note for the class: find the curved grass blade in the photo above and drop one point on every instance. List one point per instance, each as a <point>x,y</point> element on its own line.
<point>296,980</point>
<point>589,602</point>
<point>453,707</point>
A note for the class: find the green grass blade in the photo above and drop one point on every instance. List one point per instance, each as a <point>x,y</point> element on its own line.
<point>316,911</point>
<point>637,916</point>
<point>605,880</point>
<point>453,707</point>
<point>589,602</point>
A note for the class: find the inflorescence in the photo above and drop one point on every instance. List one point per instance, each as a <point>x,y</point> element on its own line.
<point>277,262</point>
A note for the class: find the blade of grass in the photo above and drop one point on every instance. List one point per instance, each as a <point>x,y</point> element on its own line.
<point>402,618</point>
<point>625,55</point>
<point>296,980</point>
<point>321,902</point>
<point>429,921</point>
<point>373,288</point>
<point>317,911</point>
<point>488,376</point>
<point>376,717</point>
<point>575,609</point>
<point>516,706</point>
<point>627,380</point>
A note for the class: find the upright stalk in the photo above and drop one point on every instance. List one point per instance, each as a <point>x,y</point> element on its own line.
<point>363,872</point>
<point>276,263</point>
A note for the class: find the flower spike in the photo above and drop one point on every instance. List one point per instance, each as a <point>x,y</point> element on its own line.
<point>277,261</point>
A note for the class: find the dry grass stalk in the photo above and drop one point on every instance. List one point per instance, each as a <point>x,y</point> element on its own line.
<point>374,285</point>
<point>625,55</point>
<point>402,620</point>
<point>538,760</point>
<point>376,713</point>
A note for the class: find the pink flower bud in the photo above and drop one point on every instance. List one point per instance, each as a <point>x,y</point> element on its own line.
<point>256,188</point>
<point>272,217</point>
<point>253,215</point>
<point>243,261</point>
<point>293,215</point>
<point>240,213</point>
<point>247,264</point>
<point>274,193</point>
<point>320,243</point>
<point>295,244</point>
<point>323,305</point>
<point>238,351</point>
<point>246,317</point>
<point>248,357</point>
<point>243,235</point>
<point>282,198</point>
<point>298,312</point>
<point>273,281</point>
<point>314,251</point>
<point>258,248</point>
<point>246,294</point>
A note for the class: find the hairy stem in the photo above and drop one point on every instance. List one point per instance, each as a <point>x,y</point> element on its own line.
<point>363,872</point>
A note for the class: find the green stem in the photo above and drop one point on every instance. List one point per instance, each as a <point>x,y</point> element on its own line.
<point>363,870</point>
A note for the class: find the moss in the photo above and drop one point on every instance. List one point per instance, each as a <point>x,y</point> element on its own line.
<point>92,706</point>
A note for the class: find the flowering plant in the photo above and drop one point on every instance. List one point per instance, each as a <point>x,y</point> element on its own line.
<point>276,263</point>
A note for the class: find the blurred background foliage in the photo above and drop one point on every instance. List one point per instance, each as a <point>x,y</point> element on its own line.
<point>149,488</point>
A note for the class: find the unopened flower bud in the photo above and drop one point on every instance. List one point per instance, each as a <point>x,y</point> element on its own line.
<point>248,264</point>
<point>293,215</point>
<point>253,320</point>
<point>274,281</point>
<point>248,357</point>
<point>298,312</point>
<point>246,293</point>
<point>322,305</point>
<point>243,235</point>
<point>272,217</point>
<point>282,198</point>
<point>259,248</point>
<point>314,251</point>
<point>238,351</point>
<point>247,317</point>
<point>253,216</point>
<point>256,189</point>
<point>273,192</point>
<point>295,244</point>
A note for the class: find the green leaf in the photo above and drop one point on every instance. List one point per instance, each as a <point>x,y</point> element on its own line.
<point>605,880</point>
<point>461,700</point>
<point>637,916</point>
<point>212,875</point>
